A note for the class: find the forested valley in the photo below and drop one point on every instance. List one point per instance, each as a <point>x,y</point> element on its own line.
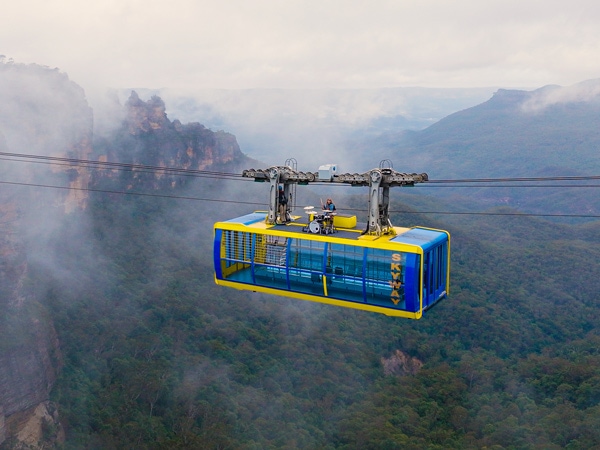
<point>106,282</point>
<point>157,356</point>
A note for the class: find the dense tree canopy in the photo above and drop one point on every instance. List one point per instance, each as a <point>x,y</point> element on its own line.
<point>157,356</point>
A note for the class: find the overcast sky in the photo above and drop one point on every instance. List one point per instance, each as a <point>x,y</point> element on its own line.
<point>307,43</point>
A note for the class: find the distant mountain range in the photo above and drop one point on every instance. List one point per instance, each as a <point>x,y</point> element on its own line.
<point>448,133</point>
<point>479,132</point>
<point>311,125</point>
<point>549,132</point>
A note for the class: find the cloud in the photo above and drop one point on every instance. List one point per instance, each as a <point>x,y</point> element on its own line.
<point>588,91</point>
<point>307,44</point>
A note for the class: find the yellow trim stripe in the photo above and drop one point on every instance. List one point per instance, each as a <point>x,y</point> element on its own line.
<point>328,301</point>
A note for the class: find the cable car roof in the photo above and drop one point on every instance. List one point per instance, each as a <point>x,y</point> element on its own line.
<point>422,237</point>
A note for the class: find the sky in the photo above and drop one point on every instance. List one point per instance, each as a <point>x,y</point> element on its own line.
<point>307,44</point>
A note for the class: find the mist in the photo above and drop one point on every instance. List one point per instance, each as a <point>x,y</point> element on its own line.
<point>129,280</point>
<point>584,92</point>
<point>44,114</point>
<point>317,126</point>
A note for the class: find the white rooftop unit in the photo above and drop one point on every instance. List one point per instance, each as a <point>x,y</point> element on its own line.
<point>327,171</point>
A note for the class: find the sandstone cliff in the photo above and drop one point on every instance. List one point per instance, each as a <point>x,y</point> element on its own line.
<point>147,137</point>
<point>45,114</point>
<point>41,113</point>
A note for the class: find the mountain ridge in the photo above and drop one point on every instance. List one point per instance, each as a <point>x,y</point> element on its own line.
<point>548,132</point>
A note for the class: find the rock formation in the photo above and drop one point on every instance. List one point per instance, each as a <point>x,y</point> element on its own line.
<point>147,137</point>
<point>43,113</point>
<point>400,364</point>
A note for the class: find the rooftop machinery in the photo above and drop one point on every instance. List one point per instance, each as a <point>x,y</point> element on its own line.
<point>378,180</point>
<point>375,267</point>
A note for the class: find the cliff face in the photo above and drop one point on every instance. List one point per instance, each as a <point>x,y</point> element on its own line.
<point>148,137</point>
<point>27,373</point>
<point>43,113</point>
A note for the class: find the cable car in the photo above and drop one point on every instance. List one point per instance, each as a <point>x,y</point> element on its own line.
<point>399,274</point>
<point>326,258</point>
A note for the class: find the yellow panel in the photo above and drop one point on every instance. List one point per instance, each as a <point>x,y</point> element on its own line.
<point>314,298</point>
<point>400,230</point>
<point>259,225</point>
<point>344,221</point>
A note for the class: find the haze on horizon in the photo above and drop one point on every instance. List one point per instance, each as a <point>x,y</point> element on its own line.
<point>307,44</point>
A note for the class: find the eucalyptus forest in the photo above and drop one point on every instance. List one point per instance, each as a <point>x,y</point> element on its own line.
<point>163,358</point>
<point>152,354</point>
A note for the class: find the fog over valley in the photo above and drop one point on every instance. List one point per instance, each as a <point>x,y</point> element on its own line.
<point>124,130</point>
<point>115,335</point>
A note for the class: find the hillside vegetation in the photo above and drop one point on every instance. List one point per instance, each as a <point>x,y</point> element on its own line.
<point>157,356</point>
<point>154,355</point>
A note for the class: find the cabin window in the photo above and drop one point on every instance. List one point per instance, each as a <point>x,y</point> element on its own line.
<point>306,255</point>
<point>345,260</point>
<point>385,277</point>
<point>238,247</point>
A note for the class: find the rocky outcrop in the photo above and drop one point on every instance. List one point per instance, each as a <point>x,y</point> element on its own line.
<point>145,116</point>
<point>29,364</point>
<point>42,113</point>
<point>400,364</point>
<point>147,137</point>
<point>37,427</point>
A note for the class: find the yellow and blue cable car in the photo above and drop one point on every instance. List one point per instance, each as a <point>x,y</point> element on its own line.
<point>385,269</point>
<point>399,274</point>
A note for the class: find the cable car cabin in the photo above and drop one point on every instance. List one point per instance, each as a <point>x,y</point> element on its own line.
<point>401,275</point>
